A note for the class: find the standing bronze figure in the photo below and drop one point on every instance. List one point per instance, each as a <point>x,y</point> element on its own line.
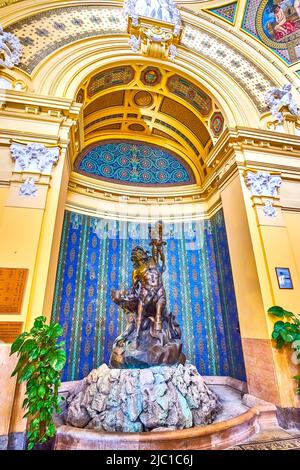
<point>152,336</point>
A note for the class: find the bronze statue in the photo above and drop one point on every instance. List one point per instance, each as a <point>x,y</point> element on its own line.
<point>152,335</point>
<point>158,244</point>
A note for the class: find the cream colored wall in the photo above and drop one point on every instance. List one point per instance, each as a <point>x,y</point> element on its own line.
<point>7,388</point>
<point>292,220</point>
<point>246,282</point>
<point>61,189</point>
<point>30,226</point>
<point>257,245</point>
<point>20,234</point>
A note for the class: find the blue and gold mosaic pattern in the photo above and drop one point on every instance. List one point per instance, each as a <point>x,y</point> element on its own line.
<point>95,257</point>
<point>133,163</point>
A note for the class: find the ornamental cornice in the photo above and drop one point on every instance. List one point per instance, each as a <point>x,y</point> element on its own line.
<point>241,148</point>
<point>54,107</point>
<point>258,140</point>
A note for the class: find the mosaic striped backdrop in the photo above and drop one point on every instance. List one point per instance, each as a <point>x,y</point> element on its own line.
<point>95,257</point>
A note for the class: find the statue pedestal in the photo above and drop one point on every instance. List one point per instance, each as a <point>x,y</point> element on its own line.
<point>137,400</point>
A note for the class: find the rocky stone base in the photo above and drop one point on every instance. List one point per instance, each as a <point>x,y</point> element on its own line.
<point>136,400</point>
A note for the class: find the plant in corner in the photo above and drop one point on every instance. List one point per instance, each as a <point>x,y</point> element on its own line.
<point>287,333</point>
<point>41,360</point>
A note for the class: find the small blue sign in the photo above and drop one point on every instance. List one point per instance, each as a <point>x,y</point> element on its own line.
<point>284,278</point>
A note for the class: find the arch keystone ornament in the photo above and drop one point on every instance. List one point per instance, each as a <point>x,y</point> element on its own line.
<point>154,27</point>
<point>10,50</point>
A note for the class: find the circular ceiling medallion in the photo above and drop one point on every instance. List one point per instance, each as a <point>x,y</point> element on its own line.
<point>217,124</point>
<point>143,99</point>
<point>151,76</point>
<point>136,127</point>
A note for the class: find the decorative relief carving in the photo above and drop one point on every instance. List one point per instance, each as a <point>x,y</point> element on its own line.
<point>34,157</point>
<point>269,209</point>
<point>278,98</point>
<point>154,27</point>
<point>28,188</point>
<point>264,185</point>
<point>10,49</point>
<point>162,10</point>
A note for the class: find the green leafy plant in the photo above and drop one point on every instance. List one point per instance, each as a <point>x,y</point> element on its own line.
<point>41,360</point>
<point>287,333</point>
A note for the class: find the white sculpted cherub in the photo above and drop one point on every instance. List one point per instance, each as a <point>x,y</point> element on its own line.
<point>10,49</point>
<point>277,98</point>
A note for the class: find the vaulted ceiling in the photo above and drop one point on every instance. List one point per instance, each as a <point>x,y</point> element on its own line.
<point>151,104</point>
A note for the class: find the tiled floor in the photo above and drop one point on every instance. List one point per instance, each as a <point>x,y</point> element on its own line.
<point>274,438</point>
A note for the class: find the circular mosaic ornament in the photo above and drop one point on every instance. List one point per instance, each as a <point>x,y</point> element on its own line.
<point>151,76</point>
<point>217,124</point>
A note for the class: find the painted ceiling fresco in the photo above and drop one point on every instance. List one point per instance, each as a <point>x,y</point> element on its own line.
<point>276,24</point>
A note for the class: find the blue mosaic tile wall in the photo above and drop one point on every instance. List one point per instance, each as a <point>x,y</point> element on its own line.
<point>134,163</point>
<point>95,257</point>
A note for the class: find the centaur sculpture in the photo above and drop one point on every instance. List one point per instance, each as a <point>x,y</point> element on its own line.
<point>152,336</point>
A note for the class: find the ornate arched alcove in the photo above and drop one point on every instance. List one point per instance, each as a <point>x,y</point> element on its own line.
<point>143,138</point>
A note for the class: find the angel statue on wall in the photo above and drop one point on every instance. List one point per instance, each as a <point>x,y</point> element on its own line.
<point>277,98</point>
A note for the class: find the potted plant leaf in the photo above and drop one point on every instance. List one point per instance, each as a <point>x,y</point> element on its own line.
<point>287,333</point>
<point>41,360</point>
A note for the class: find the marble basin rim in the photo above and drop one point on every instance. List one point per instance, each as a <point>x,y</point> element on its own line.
<point>166,435</point>
<point>220,435</point>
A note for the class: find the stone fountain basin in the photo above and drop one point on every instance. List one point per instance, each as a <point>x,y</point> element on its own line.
<point>221,435</point>
<point>234,424</point>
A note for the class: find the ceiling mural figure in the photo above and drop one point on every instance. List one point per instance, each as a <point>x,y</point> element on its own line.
<point>276,23</point>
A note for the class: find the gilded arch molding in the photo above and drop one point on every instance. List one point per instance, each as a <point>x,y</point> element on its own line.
<point>62,74</point>
<point>76,21</point>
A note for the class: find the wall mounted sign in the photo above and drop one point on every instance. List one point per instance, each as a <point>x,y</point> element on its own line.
<point>9,331</point>
<point>284,278</point>
<point>12,287</point>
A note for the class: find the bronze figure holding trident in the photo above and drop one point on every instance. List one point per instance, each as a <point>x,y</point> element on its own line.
<point>152,336</point>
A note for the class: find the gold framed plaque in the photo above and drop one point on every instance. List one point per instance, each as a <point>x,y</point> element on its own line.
<point>12,288</point>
